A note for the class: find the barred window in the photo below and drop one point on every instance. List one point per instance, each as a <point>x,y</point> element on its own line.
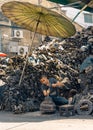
<point>88,18</point>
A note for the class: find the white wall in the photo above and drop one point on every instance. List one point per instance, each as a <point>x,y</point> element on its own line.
<point>71,13</point>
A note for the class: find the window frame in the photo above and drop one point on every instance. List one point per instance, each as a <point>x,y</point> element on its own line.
<point>88,19</point>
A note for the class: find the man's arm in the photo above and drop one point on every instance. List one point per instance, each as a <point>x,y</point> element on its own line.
<point>55,83</point>
<point>58,84</point>
<point>61,83</point>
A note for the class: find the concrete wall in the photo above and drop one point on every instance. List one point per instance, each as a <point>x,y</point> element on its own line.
<point>71,13</point>
<point>27,35</point>
<point>7,37</point>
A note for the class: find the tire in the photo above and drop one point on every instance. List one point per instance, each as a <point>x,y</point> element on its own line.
<point>91,98</point>
<point>21,50</point>
<point>84,103</point>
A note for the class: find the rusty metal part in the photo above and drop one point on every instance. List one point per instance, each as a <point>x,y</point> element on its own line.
<point>48,106</point>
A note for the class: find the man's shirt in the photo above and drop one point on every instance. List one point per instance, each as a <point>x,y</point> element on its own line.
<point>53,91</point>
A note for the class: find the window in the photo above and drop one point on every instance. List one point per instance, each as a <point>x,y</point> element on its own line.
<point>3,18</point>
<point>88,18</point>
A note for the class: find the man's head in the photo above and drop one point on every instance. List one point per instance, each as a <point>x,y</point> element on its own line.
<point>44,79</point>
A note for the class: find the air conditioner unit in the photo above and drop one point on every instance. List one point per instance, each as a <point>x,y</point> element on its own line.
<point>22,50</point>
<point>18,34</point>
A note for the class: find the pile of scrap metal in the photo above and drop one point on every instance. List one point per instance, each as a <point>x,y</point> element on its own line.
<point>84,100</point>
<point>60,58</point>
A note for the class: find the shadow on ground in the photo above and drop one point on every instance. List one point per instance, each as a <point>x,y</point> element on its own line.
<point>36,117</point>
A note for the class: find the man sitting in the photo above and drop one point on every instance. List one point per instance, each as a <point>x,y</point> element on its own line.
<point>50,87</point>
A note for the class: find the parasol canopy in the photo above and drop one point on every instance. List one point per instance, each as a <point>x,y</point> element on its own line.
<point>38,19</point>
<point>3,54</point>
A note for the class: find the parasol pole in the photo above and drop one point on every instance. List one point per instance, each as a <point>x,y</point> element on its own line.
<point>28,54</point>
<point>80,12</point>
<point>88,3</point>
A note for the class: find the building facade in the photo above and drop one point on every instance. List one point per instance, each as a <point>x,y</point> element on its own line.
<point>13,37</point>
<point>84,19</point>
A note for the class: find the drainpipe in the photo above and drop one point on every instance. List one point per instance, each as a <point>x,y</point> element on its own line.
<point>0,40</point>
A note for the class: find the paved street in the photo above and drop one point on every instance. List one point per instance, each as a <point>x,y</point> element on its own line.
<point>37,121</point>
